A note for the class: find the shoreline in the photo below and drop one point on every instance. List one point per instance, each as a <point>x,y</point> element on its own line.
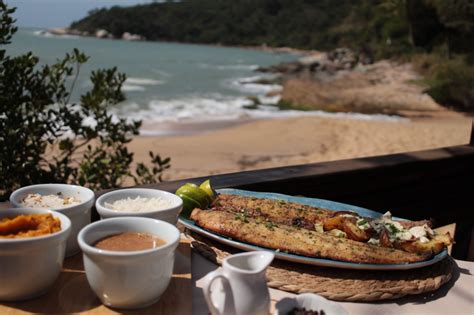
<point>65,31</point>
<point>175,129</point>
<point>183,128</point>
<point>204,148</point>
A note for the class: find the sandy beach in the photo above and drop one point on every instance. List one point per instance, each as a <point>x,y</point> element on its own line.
<point>280,142</point>
<point>384,87</point>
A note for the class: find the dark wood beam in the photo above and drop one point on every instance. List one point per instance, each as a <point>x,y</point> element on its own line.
<point>471,142</point>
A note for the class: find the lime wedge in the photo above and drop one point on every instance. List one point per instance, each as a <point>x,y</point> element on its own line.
<point>195,193</point>
<point>188,205</point>
<point>206,186</point>
<point>191,185</point>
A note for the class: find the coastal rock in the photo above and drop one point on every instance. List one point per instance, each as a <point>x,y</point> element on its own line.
<point>343,57</point>
<point>344,81</point>
<point>319,64</point>
<point>132,37</point>
<point>284,67</point>
<point>58,31</point>
<point>316,58</point>
<point>383,87</point>
<point>102,33</point>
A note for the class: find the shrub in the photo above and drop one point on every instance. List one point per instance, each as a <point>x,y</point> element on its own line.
<point>450,81</point>
<point>44,137</point>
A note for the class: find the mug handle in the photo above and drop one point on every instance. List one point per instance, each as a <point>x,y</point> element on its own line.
<point>217,274</point>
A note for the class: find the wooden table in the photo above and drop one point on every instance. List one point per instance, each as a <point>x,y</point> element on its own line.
<point>71,292</point>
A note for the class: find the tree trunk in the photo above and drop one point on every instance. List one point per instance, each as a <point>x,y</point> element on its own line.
<point>409,19</point>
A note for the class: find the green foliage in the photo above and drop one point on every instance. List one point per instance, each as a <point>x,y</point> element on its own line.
<point>385,27</point>
<point>46,138</point>
<point>380,28</point>
<point>450,81</point>
<point>242,22</point>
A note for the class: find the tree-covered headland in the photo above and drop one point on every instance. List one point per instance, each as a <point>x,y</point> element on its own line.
<point>437,35</point>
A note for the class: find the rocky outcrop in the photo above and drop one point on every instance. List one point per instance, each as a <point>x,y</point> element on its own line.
<point>100,33</point>
<point>342,81</point>
<point>132,37</point>
<point>57,31</point>
<point>319,63</point>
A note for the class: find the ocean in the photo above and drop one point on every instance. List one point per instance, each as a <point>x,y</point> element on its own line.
<point>174,88</point>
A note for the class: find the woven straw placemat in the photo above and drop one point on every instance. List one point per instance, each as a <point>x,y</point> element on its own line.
<point>339,284</point>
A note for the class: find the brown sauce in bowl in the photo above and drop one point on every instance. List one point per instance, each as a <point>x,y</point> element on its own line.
<point>129,241</point>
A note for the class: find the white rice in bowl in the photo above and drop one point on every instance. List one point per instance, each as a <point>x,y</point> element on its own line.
<point>139,204</point>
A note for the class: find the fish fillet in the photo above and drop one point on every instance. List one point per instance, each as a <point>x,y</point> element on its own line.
<point>282,212</point>
<point>278,211</point>
<point>297,240</point>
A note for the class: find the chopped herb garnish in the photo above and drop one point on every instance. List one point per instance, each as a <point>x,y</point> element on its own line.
<point>269,225</point>
<point>392,228</point>
<point>241,217</point>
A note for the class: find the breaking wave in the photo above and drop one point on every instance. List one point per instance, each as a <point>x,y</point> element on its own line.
<point>227,67</point>
<point>216,107</point>
<point>139,84</point>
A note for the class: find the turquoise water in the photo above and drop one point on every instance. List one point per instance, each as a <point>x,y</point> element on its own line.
<point>166,81</point>
<point>171,85</point>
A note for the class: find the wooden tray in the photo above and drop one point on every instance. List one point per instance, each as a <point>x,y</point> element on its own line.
<point>71,292</point>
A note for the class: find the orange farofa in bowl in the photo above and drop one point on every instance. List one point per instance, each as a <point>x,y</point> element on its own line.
<point>29,225</point>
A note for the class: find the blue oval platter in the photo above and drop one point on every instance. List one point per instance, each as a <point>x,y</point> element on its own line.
<point>331,205</point>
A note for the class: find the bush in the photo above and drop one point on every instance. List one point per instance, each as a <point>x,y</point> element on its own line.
<point>450,81</point>
<point>46,138</point>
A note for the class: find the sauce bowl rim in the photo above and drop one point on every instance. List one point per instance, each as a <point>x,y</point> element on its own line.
<point>14,197</point>
<point>90,249</point>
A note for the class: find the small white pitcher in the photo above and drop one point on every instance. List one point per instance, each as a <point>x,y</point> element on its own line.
<point>243,289</point>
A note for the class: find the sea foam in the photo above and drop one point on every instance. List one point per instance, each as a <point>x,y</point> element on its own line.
<point>216,107</point>
<point>138,84</point>
<point>227,67</point>
<point>251,85</point>
<point>142,81</point>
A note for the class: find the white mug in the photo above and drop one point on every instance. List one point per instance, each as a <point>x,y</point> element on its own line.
<point>243,285</point>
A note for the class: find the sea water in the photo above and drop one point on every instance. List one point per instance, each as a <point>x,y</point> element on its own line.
<point>171,83</point>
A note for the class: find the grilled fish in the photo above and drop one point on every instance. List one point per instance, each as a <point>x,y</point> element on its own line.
<point>277,211</point>
<point>299,215</point>
<point>297,240</point>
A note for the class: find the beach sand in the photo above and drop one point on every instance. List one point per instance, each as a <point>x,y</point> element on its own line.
<point>281,142</point>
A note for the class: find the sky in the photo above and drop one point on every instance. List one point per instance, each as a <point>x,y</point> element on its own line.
<point>59,13</point>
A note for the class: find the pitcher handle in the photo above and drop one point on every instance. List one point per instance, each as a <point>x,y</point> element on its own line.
<point>217,274</point>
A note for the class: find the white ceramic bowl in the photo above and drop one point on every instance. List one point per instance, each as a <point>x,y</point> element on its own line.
<point>30,265</point>
<point>79,214</point>
<point>133,279</point>
<point>311,302</point>
<point>169,214</point>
